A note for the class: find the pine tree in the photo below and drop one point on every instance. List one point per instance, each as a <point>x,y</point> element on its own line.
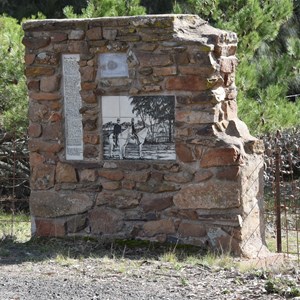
<point>105,8</point>
<point>269,57</point>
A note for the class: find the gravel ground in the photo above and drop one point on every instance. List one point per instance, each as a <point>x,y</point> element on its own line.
<point>27,273</point>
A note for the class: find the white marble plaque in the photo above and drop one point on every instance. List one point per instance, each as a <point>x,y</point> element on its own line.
<point>72,105</point>
<point>112,65</point>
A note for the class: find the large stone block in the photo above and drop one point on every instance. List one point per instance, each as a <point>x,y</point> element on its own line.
<point>187,229</point>
<point>65,173</point>
<point>187,83</point>
<point>50,227</point>
<point>50,84</point>
<point>209,195</point>
<point>36,42</point>
<point>52,204</point>
<point>42,176</point>
<point>122,199</point>
<point>184,153</point>
<point>151,59</point>
<point>155,202</point>
<point>220,157</point>
<point>105,221</point>
<point>152,228</point>
<point>39,71</point>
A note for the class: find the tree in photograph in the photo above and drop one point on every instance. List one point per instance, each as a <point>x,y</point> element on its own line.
<point>156,109</point>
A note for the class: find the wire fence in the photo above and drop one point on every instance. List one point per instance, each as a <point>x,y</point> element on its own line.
<point>282,192</point>
<point>14,187</point>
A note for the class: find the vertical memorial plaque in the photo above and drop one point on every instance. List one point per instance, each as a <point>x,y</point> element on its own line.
<point>72,105</point>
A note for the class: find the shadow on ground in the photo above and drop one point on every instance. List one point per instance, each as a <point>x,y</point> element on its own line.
<point>40,249</point>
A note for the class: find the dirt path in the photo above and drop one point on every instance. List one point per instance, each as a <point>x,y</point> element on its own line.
<point>47,271</point>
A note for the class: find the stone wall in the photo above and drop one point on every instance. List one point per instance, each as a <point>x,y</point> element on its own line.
<point>210,195</point>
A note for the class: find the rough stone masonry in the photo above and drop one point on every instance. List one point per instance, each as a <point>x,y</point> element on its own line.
<point>210,195</point>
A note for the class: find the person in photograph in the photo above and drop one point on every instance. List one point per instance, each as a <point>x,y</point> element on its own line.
<point>117,130</point>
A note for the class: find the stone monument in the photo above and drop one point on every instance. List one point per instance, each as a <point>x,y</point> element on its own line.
<point>134,133</point>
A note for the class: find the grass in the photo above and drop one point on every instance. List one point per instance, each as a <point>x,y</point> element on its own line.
<point>122,255</point>
<point>16,226</point>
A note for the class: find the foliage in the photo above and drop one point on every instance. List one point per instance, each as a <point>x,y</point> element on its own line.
<point>282,286</point>
<point>268,52</point>
<point>13,92</point>
<point>104,8</point>
<point>20,9</point>
<point>158,6</point>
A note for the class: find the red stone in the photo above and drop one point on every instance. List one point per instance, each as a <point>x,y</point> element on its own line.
<point>196,70</point>
<point>50,83</point>
<point>191,229</point>
<point>29,59</point>
<point>111,174</point>
<point>203,175</point>
<point>88,85</point>
<point>230,109</point>
<point>37,145</point>
<point>36,159</point>
<point>88,175</point>
<point>165,71</point>
<point>128,184</point>
<point>42,177</point>
<point>90,151</point>
<point>152,228</point>
<point>182,58</point>
<point>94,33</point>
<point>155,203</point>
<point>76,46</point>
<point>88,96</point>
<point>91,139</point>
<point>181,177</point>
<point>39,71</point>
<point>220,157</point>
<point>151,59</point>
<point>111,185</point>
<point>36,43</point>
<point>34,130</point>
<point>50,227</point>
<point>65,173</point>
<point>111,221</point>
<point>137,176</point>
<point>187,83</point>
<point>87,73</point>
<point>228,173</point>
<point>55,116</point>
<point>228,64</point>
<point>44,96</point>
<point>184,153</point>
<point>57,37</point>
<point>33,85</point>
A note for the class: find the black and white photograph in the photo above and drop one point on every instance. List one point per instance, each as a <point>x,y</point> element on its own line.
<point>138,127</point>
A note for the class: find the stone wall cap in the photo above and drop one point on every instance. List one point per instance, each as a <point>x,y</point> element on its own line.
<point>47,24</point>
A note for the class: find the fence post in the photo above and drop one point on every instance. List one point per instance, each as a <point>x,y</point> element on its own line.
<point>277,194</point>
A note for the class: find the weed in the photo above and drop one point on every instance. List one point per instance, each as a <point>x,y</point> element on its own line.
<point>64,260</point>
<point>169,257</point>
<point>183,281</point>
<point>282,286</point>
